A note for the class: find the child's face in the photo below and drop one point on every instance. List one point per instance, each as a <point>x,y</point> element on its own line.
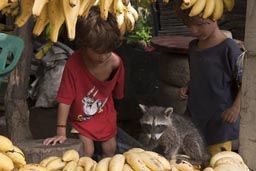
<point>97,57</point>
<point>200,28</point>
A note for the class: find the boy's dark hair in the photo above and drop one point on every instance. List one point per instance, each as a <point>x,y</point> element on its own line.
<point>100,35</point>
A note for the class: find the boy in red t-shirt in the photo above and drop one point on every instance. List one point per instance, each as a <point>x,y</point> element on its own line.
<point>92,75</point>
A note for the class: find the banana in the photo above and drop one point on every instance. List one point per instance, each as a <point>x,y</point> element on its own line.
<point>187,5</point>
<point>117,162</point>
<point>4,3</point>
<point>17,156</point>
<point>165,1</point>
<point>103,164</point>
<point>120,19</point>
<point>229,167</point>
<point>208,169</point>
<point>151,162</point>
<point>56,18</point>
<point>197,8</point>
<point>79,168</point>
<point>166,164</point>
<point>134,150</point>
<point>218,10</point>
<point>43,50</point>
<point>5,143</point>
<point>131,9</point>
<point>56,164</point>
<point>209,8</point>
<point>70,155</point>
<point>229,4</point>
<point>70,166</point>
<point>46,160</point>
<point>41,21</point>
<point>186,1</point>
<point>73,3</point>
<point>223,154</point>
<point>122,29</point>
<point>26,12</point>
<point>86,162</point>
<point>127,167</point>
<point>94,165</point>
<point>71,15</point>
<point>136,162</point>
<point>32,167</point>
<point>182,165</point>
<point>38,6</point>
<point>83,11</point>
<point>104,8</point>
<point>129,21</point>
<point>6,163</point>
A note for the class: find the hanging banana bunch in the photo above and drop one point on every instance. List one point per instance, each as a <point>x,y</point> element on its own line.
<point>55,14</point>
<point>212,9</point>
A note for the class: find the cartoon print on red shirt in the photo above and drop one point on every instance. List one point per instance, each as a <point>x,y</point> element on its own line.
<point>91,105</point>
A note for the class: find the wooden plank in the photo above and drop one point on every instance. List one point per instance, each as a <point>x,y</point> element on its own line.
<point>247,137</point>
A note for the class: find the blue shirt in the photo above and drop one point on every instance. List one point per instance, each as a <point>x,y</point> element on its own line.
<point>215,75</point>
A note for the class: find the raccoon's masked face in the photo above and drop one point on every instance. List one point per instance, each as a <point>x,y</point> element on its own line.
<point>155,121</point>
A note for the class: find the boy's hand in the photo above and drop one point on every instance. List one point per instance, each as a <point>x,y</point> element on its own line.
<point>230,115</point>
<point>54,140</point>
<point>183,93</point>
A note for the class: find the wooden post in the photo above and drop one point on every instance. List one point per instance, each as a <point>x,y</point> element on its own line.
<point>247,137</point>
<point>16,107</point>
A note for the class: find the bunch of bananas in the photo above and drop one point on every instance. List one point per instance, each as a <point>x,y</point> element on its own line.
<point>56,13</point>
<point>11,157</point>
<point>212,9</point>
<point>227,160</point>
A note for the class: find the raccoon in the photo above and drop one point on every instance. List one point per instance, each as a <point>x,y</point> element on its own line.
<point>175,133</point>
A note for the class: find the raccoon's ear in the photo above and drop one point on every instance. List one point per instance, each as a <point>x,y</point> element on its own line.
<point>143,108</point>
<point>168,111</point>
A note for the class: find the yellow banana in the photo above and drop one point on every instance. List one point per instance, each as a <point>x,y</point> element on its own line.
<point>136,162</point>
<point>56,164</point>
<point>129,21</point>
<point>117,162</point>
<point>134,150</point>
<point>229,4</point>
<point>70,155</point>
<point>127,167</point>
<point>218,10</point>
<point>122,28</point>
<point>73,3</point>
<point>94,165</point>
<point>4,3</point>
<point>86,162</point>
<point>104,8</point>
<point>26,12</point>
<point>46,160</point>
<point>187,5</point>
<point>151,162</point>
<point>41,21</point>
<point>209,8</point>
<point>182,165</point>
<point>103,164</point>
<point>6,163</point>
<point>15,12</point>
<point>197,8</point>
<point>87,6</point>
<point>208,169</point>
<point>17,156</point>
<point>186,2</point>
<point>38,6</point>
<point>71,15</point>
<point>135,14</point>
<point>5,144</point>
<point>120,19</point>
<point>223,154</point>
<point>32,167</point>
<point>162,159</point>
<point>70,166</point>
<point>79,168</point>
<point>56,18</point>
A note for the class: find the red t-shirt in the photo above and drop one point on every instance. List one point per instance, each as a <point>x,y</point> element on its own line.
<point>92,111</point>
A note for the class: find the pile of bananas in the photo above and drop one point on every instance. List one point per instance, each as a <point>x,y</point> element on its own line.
<point>227,160</point>
<point>212,9</point>
<point>56,13</point>
<point>11,157</point>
